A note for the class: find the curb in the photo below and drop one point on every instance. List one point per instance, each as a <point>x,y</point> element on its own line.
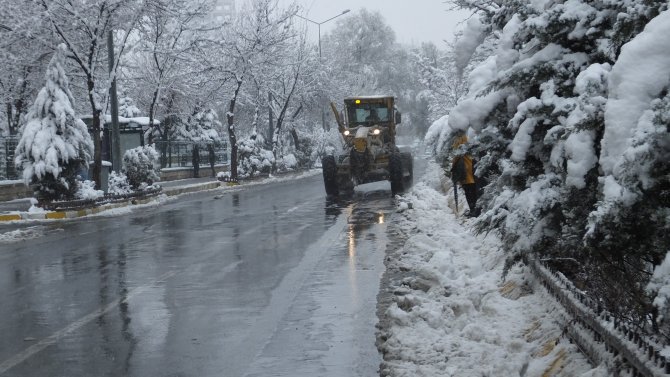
<point>60,215</point>
<point>192,188</point>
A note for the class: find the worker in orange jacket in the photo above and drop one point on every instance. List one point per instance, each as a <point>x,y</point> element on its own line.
<point>462,172</point>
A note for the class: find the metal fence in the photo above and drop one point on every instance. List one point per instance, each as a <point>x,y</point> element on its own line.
<point>7,149</point>
<point>172,154</point>
<point>180,153</point>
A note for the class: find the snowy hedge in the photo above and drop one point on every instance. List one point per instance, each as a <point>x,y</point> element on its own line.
<point>140,165</point>
<point>568,119</point>
<point>253,156</point>
<point>118,184</point>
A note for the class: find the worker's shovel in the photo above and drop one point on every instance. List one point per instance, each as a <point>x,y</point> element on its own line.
<point>456,197</point>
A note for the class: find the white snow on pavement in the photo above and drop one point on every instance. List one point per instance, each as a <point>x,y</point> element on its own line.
<point>452,313</point>
<point>23,234</point>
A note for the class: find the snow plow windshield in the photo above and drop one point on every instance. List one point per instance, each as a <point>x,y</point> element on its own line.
<point>367,113</point>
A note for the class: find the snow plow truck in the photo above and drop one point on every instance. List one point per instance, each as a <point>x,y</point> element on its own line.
<point>370,154</point>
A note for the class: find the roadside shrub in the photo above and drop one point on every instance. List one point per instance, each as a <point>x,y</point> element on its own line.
<point>287,163</point>
<point>86,190</point>
<point>253,158</point>
<point>140,166</point>
<point>118,184</point>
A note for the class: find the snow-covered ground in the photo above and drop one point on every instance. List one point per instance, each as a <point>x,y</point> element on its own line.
<point>451,312</point>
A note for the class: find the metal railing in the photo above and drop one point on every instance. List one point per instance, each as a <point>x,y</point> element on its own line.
<point>180,153</point>
<point>627,352</point>
<point>7,149</point>
<point>106,199</point>
<point>171,154</point>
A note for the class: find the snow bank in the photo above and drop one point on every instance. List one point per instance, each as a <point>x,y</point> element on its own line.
<point>452,315</point>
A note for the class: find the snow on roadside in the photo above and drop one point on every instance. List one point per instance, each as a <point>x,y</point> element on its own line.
<point>453,315</point>
<point>28,233</point>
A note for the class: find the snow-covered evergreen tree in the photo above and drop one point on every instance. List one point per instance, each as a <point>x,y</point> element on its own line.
<point>566,179</point>
<point>202,128</point>
<point>54,143</point>
<point>127,107</point>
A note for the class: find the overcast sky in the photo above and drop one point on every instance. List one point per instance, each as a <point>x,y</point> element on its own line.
<point>414,21</point>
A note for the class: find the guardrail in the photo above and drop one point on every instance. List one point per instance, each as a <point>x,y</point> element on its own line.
<point>590,326</point>
<point>106,199</point>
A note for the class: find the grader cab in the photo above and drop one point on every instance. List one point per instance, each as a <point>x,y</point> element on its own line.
<point>370,154</point>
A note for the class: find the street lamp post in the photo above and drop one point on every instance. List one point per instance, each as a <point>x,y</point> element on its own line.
<point>323,112</point>
<point>321,23</point>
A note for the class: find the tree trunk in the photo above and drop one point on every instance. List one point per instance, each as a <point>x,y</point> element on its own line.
<point>151,115</point>
<point>9,118</point>
<point>95,129</point>
<point>97,150</point>
<point>15,109</point>
<point>282,115</point>
<point>212,158</point>
<point>230,116</point>
<point>196,161</point>
<point>271,128</point>
<point>294,134</point>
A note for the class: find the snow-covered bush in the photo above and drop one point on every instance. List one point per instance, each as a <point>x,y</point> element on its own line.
<point>86,191</point>
<point>140,165</point>
<point>568,117</point>
<point>253,157</point>
<point>287,163</point>
<point>118,184</point>
<point>223,175</point>
<point>317,143</point>
<point>55,144</point>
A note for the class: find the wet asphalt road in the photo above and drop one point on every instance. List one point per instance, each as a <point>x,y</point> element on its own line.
<point>269,280</point>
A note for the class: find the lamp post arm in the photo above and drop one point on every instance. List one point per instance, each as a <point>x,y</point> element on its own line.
<point>344,12</point>
<point>307,19</point>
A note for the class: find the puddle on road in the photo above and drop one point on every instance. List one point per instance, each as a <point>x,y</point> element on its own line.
<point>363,209</point>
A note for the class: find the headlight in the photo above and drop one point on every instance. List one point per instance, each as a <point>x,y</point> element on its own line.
<point>346,133</point>
<point>376,131</point>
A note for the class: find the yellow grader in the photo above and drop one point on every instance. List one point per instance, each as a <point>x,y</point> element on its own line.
<point>370,154</point>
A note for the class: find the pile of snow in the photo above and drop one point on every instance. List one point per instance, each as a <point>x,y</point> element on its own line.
<point>452,313</point>
<point>18,235</point>
<point>86,191</point>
